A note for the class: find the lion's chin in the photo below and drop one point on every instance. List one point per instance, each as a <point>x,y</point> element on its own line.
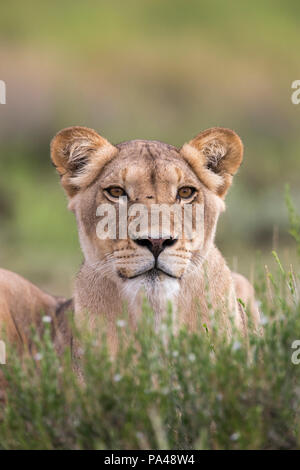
<point>158,287</point>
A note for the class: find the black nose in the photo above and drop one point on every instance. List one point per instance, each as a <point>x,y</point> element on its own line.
<point>156,245</point>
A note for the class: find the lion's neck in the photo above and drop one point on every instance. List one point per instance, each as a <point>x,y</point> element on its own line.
<point>161,296</point>
<point>96,296</point>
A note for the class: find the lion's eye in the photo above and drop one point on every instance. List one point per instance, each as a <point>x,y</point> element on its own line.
<point>116,192</point>
<point>186,192</point>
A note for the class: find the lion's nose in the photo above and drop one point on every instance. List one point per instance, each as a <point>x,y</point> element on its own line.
<point>156,245</point>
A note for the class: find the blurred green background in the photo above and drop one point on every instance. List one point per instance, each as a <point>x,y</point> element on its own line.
<point>147,69</point>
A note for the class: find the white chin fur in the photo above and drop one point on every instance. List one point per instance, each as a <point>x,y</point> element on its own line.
<point>158,292</point>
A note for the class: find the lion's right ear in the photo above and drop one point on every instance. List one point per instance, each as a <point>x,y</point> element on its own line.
<point>79,154</point>
<point>215,156</point>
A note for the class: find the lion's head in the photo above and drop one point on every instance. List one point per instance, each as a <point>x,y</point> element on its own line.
<point>96,174</point>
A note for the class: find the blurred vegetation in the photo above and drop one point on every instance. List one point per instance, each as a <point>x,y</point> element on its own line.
<point>145,69</point>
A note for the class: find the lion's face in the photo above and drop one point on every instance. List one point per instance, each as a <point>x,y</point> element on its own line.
<point>106,182</point>
<point>151,174</point>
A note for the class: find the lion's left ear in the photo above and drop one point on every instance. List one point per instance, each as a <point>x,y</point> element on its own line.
<point>215,156</point>
<point>79,154</point>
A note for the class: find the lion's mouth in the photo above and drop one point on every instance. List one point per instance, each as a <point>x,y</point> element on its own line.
<point>152,274</point>
<point>156,272</point>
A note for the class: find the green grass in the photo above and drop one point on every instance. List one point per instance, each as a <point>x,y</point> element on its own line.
<point>162,391</point>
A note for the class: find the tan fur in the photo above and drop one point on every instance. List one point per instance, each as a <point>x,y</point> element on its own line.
<point>23,305</point>
<point>115,272</point>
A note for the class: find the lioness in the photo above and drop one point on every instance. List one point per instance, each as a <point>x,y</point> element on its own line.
<point>190,272</point>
